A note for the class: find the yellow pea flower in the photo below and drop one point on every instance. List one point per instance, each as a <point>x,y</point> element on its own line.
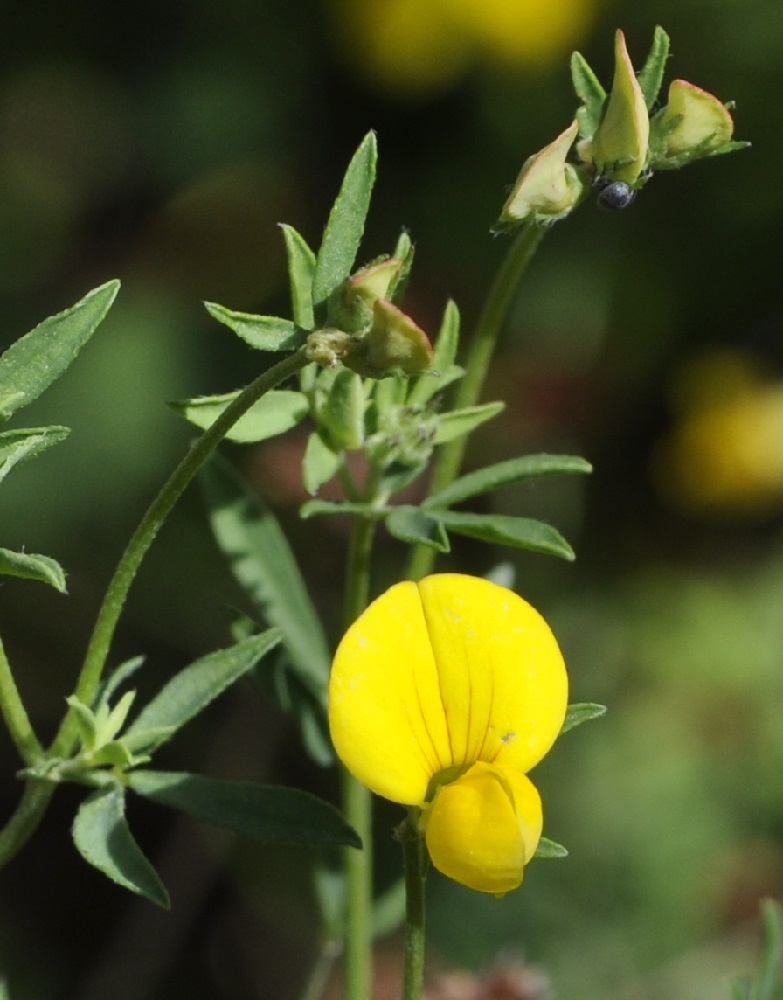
<point>443,695</point>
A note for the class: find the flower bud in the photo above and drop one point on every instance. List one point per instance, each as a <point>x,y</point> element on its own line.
<point>547,187</point>
<point>393,343</point>
<point>692,123</point>
<point>620,144</point>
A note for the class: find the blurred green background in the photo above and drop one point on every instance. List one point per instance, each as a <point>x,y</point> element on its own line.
<point>162,143</point>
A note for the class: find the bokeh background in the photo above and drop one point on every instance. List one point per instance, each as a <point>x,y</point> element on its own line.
<point>162,143</point>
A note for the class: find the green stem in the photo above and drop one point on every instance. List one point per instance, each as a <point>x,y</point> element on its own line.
<point>15,715</point>
<point>357,800</point>
<point>415,858</point>
<point>36,796</point>
<point>499,300</point>
<point>27,815</point>
<point>150,524</point>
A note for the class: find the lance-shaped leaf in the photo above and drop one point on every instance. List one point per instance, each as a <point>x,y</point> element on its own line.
<point>417,527</point>
<point>275,413</point>
<point>102,837</point>
<point>18,446</point>
<point>550,849</point>
<point>518,532</point>
<point>342,415</point>
<point>32,363</point>
<point>582,712</point>
<point>590,91</point>
<point>651,74</point>
<point>314,508</point>
<point>458,422</point>
<point>320,463</point>
<point>267,813</point>
<point>345,227</point>
<point>265,333</point>
<point>193,688</point>
<point>264,565</point>
<point>515,470</point>
<point>301,266</point>
<point>33,567</point>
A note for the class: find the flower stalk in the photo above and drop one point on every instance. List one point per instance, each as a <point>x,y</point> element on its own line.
<point>496,307</point>
<point>35,800</point>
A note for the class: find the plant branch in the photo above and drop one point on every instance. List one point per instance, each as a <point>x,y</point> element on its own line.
<point>498,302</point>
<point>15,715</point>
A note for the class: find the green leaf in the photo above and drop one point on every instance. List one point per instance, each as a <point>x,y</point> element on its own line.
<point>315,508</point>
<point>425,386</point>
<point>193,688</point>
<point>301,266</point>
<point>579,713</point>
<point>265,333</point>
<point>275,413</point>
<point>270,814</point>
<point>102,837</point>
<point>342,415</point>
<point>85,721</point>
<point>651,75</point>
<point>345,227</point>
<point>32,363</point>
<point>319,465</point>
<point>263,563</point>
<point>518,532</point>
<point>459,422</point>
<point>550,849</point>
<point>416,527</point>
<point>741,987</point>
<point>18,446</point>
<point>118,677</point>
<point>590,91</point>
<point>515,470</point>
<point>33,567</point>
<point>404,251</point>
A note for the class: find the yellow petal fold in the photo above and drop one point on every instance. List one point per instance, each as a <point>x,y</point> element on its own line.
<point>483,828</point>
<point>440,674</point>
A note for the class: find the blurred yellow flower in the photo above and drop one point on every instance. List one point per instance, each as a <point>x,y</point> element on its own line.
<point>413,47</point>
<point>443,695</point>
<point>725,452</point>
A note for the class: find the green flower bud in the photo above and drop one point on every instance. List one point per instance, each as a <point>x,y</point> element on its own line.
<point>547,188</point>
<point>621,142</point>
<point>393,343</point>
<point>351,306</point>
<point>693,124</point>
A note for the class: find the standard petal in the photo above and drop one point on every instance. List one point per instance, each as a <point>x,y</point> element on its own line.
<point>503,688</point>
<point>483,828</point>
<point>385,712</point>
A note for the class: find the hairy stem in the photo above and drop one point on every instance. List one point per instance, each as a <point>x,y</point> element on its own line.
<point>150,524</point>
<point>28,814</point>
<point>498,302</point>
<point>415,858</point>
<point>15,715</point>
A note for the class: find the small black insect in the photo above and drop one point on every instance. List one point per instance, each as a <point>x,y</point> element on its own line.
<point>615,195</point>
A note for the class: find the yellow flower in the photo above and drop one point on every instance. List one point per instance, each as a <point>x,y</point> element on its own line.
<point>443,695</point>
